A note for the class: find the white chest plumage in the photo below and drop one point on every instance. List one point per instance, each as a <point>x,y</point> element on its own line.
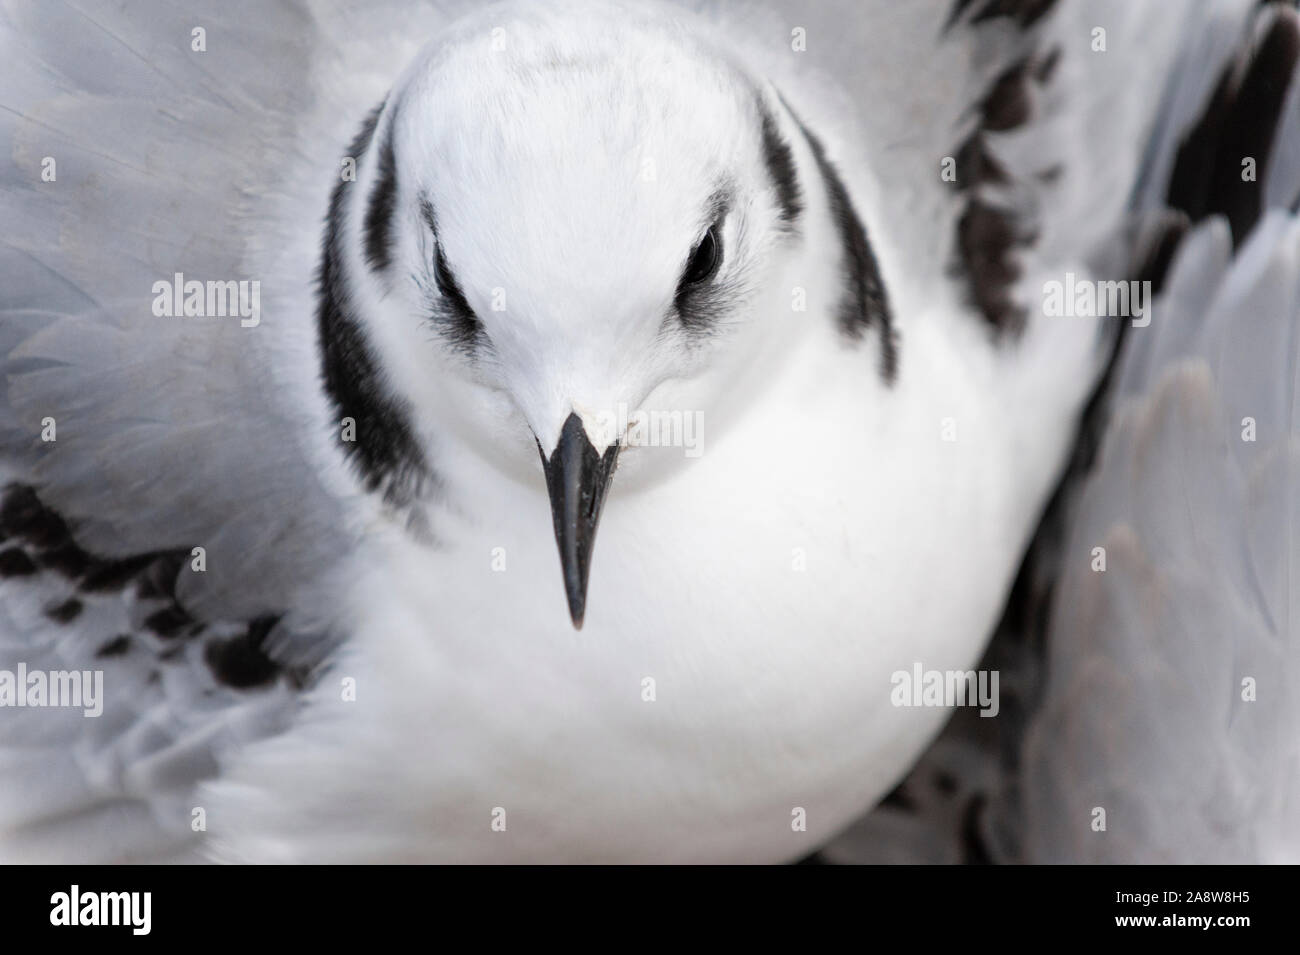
<point>729,693</point>
<point>315,556</point>
<point>734,670</point>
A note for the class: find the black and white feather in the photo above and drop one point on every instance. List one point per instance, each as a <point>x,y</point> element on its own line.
<point>309,547</point>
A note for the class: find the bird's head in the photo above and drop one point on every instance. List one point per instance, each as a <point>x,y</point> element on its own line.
<point>550,224</point>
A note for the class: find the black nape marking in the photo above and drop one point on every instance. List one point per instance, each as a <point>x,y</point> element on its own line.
<point>865,300</point>
<point>378,227</point>
<point>452,314</point>
<point>384,449</point>
<point>780,167</point>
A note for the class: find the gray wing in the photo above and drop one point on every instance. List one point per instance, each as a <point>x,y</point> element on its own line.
<point>147,140</point>
<point>1170,701</point>
<point>1121,690</point>
<point>170,432</point>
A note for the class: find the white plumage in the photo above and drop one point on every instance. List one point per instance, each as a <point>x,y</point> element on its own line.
<point>376,660</point>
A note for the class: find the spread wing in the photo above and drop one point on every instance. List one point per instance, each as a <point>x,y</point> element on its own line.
<point>165,518</point>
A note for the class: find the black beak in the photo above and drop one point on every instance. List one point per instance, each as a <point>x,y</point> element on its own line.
<point>577,477</point>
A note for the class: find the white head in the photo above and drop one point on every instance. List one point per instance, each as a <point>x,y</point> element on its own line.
<point>551,221</point>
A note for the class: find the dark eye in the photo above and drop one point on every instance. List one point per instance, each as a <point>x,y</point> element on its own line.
<point>704,261</point>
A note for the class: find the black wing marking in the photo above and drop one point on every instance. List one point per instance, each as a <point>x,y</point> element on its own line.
<point>39,546</point>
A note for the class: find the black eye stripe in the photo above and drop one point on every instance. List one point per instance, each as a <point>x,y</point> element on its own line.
<point>442,273</point>
<point>447,284</point>
<point>456,320</point>
<point>430,220</point>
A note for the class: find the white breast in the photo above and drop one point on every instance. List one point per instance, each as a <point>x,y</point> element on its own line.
<point>769,590</point>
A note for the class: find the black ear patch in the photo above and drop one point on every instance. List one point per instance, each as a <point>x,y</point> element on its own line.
<point>384,449</point>
<point>865,301</point>
<point>780,168</point>
<point>378,226</point>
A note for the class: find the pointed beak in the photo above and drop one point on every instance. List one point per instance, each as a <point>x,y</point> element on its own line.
<point>577,478</point>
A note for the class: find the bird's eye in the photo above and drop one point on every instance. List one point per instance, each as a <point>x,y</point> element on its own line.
<point>704,261</point>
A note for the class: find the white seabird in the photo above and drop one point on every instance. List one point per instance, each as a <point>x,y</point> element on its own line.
<point>312,546</point>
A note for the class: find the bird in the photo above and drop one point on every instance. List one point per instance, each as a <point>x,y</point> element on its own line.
<point>328,330</point>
